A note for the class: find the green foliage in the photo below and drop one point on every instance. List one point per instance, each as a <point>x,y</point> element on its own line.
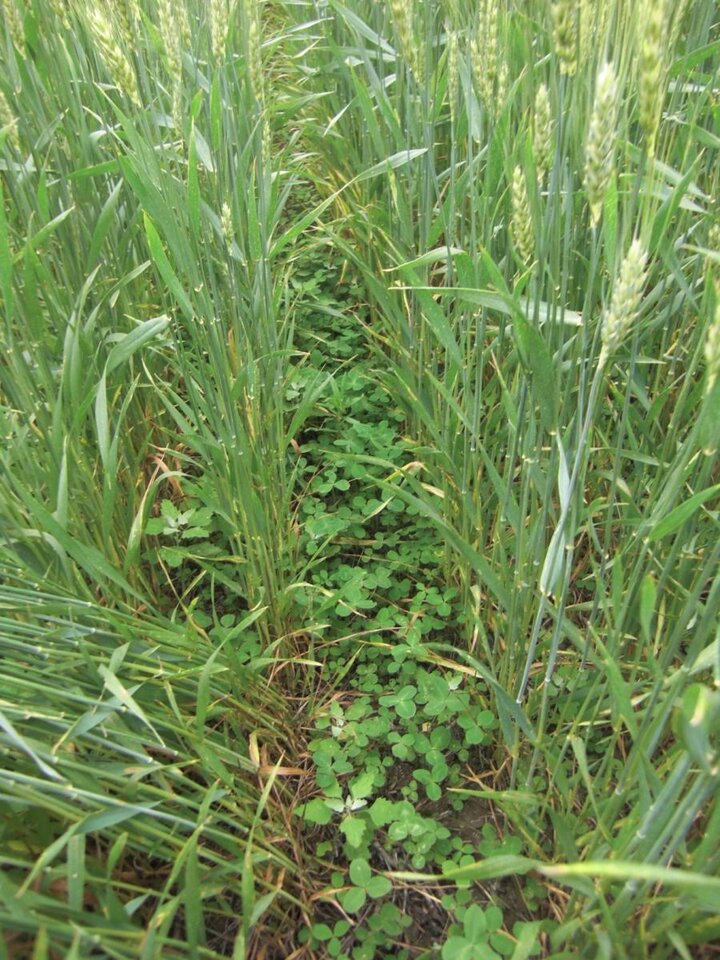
<point>473,940</point>
<point>364,885</point>
<point>125,771</point>
<point>358,405</point>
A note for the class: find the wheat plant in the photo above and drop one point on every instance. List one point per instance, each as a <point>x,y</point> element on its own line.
<point>289,288</point>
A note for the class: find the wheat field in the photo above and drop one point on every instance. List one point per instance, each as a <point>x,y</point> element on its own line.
<point>360,501</point>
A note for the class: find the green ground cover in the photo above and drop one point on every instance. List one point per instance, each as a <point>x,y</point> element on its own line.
<point>359,531</point>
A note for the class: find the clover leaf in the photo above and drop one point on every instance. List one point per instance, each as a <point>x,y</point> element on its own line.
<point>316,811</point>
<point>364,885</point>
<point>473,942</point>
<point>403,701</point>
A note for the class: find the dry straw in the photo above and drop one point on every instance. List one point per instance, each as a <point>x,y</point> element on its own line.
<point>602,136</point>
<point>626,298</point>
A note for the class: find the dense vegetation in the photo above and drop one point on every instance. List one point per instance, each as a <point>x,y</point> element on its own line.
<point>359,525</point>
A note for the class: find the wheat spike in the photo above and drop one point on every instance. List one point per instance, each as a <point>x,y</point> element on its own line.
<point>521,225</point>
<point>626,298</point>
<point>542,132</point>
<point>125,14</point>
<point>119,67</point>
<point>565,34</point>
<point>651,68</point>
<point>489,68</point>
<point>62,11</point>
<point>8,121</point>
<point>453,55</point>
<point>255,66</point>
<point>600,146</point>
<point>184,26</point>
<point>219,16</point>
<point>12,16</point>
<point>712,351</point>
<point>403,16</point>
<point>171,38</point>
